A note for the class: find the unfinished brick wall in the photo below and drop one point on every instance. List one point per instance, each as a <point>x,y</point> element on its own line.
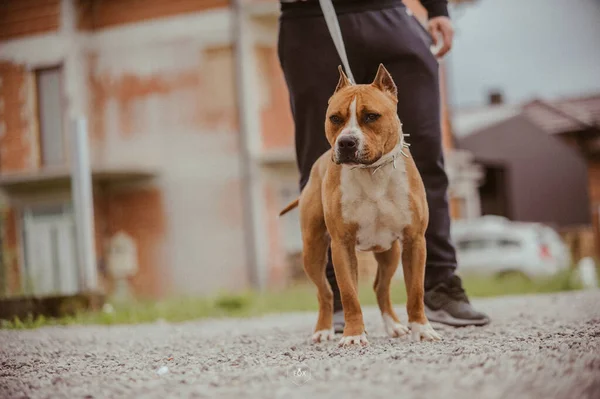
<point>276,116</point>
<point>10,252</point>
<point>213,106</point>
<point>98,14</point>
<point>179,120</point>
<point>28,17</point>
<point>18,146</point>
<point>129,89</point>
<point>139,213</point>
<point>101,235</point>
<point>19,141</point>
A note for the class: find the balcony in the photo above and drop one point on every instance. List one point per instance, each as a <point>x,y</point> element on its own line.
<point>60,177</point>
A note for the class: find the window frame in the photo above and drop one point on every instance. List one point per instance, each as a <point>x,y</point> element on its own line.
<point>63,111</point>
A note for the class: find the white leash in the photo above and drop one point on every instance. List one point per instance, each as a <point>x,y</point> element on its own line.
<point>336,35</point>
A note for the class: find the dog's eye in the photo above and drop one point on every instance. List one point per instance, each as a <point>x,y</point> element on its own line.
<point>335,119</point>
<point>371,117</point>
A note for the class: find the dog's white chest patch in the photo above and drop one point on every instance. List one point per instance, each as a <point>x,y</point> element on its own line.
<point>377,203</point>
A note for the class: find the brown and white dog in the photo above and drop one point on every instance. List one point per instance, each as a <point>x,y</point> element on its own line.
<point>365,193</point>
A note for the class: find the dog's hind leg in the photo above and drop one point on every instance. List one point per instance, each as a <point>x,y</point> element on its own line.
<point>387,263</point>
<point>316,242</point>
<point>413,264</point>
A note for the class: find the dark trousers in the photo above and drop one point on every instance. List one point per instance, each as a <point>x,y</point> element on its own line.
<point>393,37</point>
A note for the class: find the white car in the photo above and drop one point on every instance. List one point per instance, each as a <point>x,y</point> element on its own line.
<point>493,245</point>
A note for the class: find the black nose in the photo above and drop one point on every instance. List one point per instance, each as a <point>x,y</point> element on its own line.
<point>347,143</point>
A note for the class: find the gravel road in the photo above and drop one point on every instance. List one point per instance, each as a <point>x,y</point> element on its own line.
<point>545,346</point>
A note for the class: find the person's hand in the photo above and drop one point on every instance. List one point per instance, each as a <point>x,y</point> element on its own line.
<point>441,26</point>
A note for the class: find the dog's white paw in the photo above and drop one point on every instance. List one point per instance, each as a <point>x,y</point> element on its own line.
<point>354,340</point>
<point>423,332</point>
<point>323,335</point>
<point>393,328</point>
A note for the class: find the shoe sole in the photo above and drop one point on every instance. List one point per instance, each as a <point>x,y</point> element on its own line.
<point>443,317</point>
<point>437,316</point>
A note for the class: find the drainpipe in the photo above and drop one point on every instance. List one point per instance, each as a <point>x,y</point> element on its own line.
<point>246,162</point>
<point>83,202</point>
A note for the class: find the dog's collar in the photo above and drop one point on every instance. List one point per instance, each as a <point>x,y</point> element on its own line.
<point>389,158</point>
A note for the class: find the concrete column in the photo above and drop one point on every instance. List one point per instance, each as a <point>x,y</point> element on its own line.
<point>257,244</point>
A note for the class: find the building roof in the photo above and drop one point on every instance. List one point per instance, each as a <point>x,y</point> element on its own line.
<point>568,115</point>
<point>552,116</point>
<point>469,121</point>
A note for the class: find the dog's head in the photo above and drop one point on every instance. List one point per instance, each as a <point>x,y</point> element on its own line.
<point>362,123</point>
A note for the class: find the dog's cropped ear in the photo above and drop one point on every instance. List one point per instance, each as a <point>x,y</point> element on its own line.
<point>343,82</point>
<point>384,82</point>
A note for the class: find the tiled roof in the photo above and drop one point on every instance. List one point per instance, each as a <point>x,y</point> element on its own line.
<point>567,115</point>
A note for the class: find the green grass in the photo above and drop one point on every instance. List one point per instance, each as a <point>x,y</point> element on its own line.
<point>300,297</point>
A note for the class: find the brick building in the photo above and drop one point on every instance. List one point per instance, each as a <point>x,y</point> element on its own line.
<point>191,142</point>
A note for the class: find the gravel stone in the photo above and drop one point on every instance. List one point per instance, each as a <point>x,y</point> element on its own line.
<point>537,346</point>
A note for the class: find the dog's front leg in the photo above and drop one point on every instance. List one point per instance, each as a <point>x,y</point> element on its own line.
<point>345,265</point>
<point>414,253</point>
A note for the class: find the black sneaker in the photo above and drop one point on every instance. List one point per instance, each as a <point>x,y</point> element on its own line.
<point>447,303</point>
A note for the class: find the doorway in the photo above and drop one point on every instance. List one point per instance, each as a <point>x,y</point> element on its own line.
<point>494,192</point>
<point>50,250</point>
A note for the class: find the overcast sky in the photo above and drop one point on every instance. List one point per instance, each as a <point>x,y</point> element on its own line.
<point>527,48</point>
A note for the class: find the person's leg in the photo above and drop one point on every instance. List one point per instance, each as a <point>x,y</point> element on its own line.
<point>394,38</point>
<point>396,41</point>
<point>415,71</point>
<point>310,65</point>
<point>338,319</point>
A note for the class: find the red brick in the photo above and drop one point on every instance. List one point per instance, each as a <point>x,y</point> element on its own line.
<point>27,17</point>
<point>98,14</point>
<point>276,118</point>
<point>140,213</point>
<point>128,89</point>
<point>10,250</point>
<point>16,146</point>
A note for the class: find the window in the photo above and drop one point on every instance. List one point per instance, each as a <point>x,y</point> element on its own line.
<point>507,243</point>
<point>50,114</point>
<point>473,244</point>
<point>476,244</point>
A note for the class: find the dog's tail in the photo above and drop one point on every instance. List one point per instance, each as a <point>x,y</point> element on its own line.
<point>291,206</point>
